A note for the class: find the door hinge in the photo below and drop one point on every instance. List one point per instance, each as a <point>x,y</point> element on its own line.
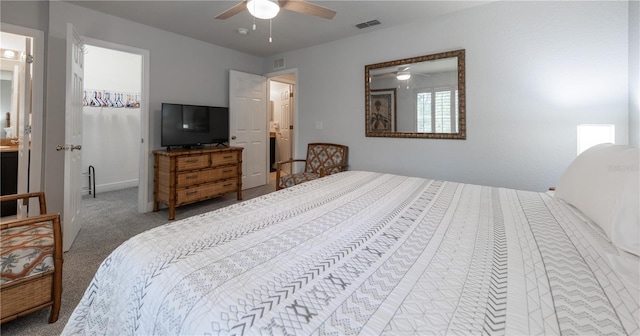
<point>27,129</point>
<point>29,59</point>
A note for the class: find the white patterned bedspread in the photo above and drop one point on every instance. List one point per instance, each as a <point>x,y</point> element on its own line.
<point>366,253</point>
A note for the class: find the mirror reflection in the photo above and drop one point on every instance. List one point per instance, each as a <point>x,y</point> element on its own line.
<point>6,91</point>
<point>420,97</point>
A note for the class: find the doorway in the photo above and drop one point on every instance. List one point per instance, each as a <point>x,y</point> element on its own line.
<point>282,96</point>
<point>21,104</point>
<point>115,120</point>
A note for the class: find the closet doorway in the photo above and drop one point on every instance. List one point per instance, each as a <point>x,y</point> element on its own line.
<point>115,120</point>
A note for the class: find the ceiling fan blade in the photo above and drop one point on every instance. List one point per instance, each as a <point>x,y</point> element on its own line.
<point>384,74</point>
<point>232,11</point>
<point>307,8</point>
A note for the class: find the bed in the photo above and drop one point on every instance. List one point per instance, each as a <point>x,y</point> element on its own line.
<point>377,254</point>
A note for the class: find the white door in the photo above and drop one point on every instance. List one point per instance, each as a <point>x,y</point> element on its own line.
<point>248,125</point>
<point>23,131</point>
<point>73,138</point>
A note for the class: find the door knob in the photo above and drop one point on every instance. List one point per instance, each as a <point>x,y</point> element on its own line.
<point>70,147</point>
<point>233,137</point>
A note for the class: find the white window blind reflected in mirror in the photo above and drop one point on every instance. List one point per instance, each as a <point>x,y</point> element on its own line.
<point>590,135</point>
<point>434,112</point>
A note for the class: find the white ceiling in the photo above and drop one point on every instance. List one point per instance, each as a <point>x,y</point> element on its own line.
<point>290,30</point>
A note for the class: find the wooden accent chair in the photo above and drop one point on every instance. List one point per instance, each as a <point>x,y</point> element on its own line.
<point>31,262</point>
<point>322,159</point>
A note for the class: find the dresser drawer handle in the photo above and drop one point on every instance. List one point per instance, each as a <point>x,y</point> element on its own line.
<point>191,193</point>
<point>191,177</point>
<point>228,185</point>
<point>227,171</point>
<point>192,161</point>
<point>228,157</point>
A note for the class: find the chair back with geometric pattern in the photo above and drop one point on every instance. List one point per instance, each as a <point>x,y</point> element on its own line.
<point>324,155</point>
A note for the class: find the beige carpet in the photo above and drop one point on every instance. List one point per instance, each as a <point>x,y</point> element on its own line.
<point>108,220</point>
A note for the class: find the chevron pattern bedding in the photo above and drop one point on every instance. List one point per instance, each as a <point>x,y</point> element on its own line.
<point>370,254</point>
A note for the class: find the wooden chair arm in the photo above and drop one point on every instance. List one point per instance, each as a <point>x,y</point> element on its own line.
<point>25,199</point>
<point>289,161</point>
<point>30,220</point>
<point>323,170</point>
<point>279,167</point>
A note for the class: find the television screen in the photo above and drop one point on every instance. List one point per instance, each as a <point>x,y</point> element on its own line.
<point>193,125</point>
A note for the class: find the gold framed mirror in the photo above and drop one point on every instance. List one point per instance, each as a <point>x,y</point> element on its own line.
<point>418,97</point>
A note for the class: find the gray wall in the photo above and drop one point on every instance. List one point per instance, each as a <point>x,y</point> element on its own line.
<point>634,73</point>
<point>535,70</point>
<point>30,14</point>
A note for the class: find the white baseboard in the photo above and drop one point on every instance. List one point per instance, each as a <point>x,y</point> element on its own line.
<point>113,186</point>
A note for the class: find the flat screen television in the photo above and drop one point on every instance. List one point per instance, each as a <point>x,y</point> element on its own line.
<point>190,126</point>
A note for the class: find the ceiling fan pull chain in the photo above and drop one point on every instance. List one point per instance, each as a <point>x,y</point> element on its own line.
<point>270,40</point>
<point>254,17</point>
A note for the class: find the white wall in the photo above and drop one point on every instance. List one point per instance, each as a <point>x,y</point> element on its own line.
<point>634,73</point>
<point>534,71</point>
<point>182,70</point>
<point>111,136</point>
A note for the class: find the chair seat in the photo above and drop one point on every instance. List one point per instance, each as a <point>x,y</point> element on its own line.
<point>26,251</point>
<point>293,179</point>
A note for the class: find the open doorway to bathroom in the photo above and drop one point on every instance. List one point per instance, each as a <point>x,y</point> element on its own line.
<point>21,104</point>
<point>282,93</point>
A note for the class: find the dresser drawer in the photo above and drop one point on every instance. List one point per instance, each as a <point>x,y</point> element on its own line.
<point>222,173</point>
<point>192,162</point>
<point>224,158</point>
<point>190,178</point>
<point>205,191</point>
<point>194,177</point>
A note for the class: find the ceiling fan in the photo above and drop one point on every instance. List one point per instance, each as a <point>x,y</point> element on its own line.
<point>402,73</point>
<point>268,9</point>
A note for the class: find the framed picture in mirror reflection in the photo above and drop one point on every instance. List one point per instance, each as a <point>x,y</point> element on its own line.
<point>383,111</point>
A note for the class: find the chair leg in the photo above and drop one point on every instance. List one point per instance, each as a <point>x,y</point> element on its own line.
<point>55,311</point>
<point>56,291</point>
<point>278,166</point>
<point>57,296</point>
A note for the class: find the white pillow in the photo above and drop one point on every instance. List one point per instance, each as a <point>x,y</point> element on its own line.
<point>602,182</point>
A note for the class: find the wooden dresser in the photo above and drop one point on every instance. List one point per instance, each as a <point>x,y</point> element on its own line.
<point>192,175</point>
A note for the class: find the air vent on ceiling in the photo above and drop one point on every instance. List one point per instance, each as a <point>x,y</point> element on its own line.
<point>368,24</point>
<point>278,64</point>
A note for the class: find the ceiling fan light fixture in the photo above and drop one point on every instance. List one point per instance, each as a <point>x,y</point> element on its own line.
<point>263,9</point>
<point>403,75</point>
